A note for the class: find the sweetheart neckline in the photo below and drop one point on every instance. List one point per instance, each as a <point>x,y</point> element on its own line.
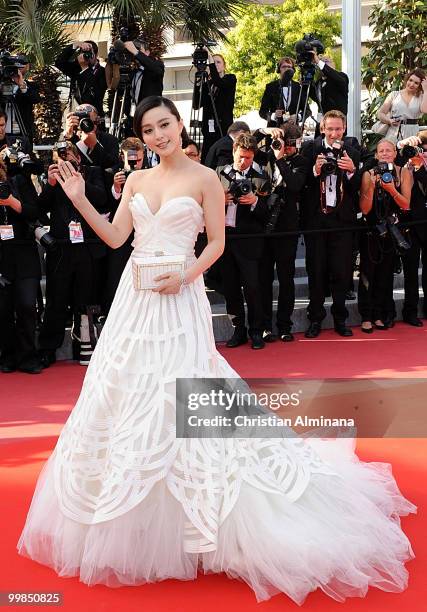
<point>154,214</point>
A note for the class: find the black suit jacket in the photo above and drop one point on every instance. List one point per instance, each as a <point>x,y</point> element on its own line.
<point>418,208</point>
<point>220,153</point>
<point>19,257</point>
<point>152,79</point>
<point>224,92</point>
<point>250,221</point>
<point>344,214</point>
<point>105,154</point>
<point>294,171</point>
<point>333,91</point>
<point>62,211</point>
<point>25,102</point>
<point>272,99</point>
<point>90,85</point>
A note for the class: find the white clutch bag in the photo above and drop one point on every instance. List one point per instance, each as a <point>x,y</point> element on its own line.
<point>145,269</point>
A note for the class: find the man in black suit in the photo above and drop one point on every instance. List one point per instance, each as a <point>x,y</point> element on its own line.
<point>96,148</point>
<point>220,87</point>
<point>7,139</point>
<point>79,61</point>
<point>330,92</point>
<point>19,106</point>
<point>288,171</point>
<point>328,203</point>
<point>72,270</point>
<point>280,98</point>
<point>221,152</point>
<point>245,214</point>
<point>147,78</point>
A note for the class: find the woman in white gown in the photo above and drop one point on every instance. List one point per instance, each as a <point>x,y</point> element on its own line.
<point>122,501</point>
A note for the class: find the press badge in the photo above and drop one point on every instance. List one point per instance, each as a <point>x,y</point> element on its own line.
<point>6,232</point>
<point>211,124</point>
<point>76,232</point>
<point>132,109</point>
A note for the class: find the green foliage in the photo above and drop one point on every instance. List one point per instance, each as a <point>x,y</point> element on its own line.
<point>263,34</point>
<point>400,44</point>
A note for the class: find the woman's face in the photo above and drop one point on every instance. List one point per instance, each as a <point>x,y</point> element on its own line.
<point>161,131</point>
<point>386,152</point>
<point>413,84</point>
<point>219,63</point>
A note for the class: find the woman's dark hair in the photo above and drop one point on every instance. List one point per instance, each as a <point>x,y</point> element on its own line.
<point>147,104</point>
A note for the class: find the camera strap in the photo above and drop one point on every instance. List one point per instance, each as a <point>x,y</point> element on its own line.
<point>331,193</point>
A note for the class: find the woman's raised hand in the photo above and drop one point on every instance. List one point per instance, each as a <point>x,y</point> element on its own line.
<point>71,181</point>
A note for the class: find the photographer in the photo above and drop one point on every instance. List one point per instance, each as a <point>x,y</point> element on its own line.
<point>131,158</point>
<point>79,61</point>
<point>330,91</point>
<point>221,152</point>
<point>218,94</point>
<point>329,203</point>
<point>7,139</point>
<point>413,150</point>
<point>19,105</point>
<point>288,171</point>
<point>385,191</point>
<point>280,98</point>
<point>19,272</point>
<point>246,210</point>
<point>72,270</point>
<point>96,148</point>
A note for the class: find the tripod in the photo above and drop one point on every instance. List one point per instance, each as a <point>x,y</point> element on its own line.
<point>200,79</point>
<point>122,96</point>
<point>17,126</point>
<point>305,83</point>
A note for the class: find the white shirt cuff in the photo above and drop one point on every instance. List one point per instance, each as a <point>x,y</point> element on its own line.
<point>116,195</point>
<point>321,64</point>
<point>254,205</point>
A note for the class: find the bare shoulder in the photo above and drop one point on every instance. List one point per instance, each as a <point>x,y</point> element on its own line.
<point>136,179</point>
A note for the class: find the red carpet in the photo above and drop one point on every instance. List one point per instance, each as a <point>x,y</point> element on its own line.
<point>35,407</point>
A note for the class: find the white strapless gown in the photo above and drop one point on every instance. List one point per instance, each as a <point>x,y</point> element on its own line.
<point>121,501</point>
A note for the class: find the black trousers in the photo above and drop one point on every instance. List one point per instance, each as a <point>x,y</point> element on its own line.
<point>279,252</point>
<point>18,318</point>
<point>376,276</point>
<point>328,263</point>
<point>410,261</point>
<point>238,271</point>
<point>71,278</point>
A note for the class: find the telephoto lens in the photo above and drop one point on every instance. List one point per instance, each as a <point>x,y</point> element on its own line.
<point>276,144</point>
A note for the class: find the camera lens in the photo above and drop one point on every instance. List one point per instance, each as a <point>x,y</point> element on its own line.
<point>276,144</point>
<point>86,125</point>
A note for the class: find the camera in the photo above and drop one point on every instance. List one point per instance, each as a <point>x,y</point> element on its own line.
<point>88,55</point>
<point>237,187</point>
<point>277,143</point>
<point>61,149</point>
<point>200,55</point>
<point>408,152</point>
<point>18,161</point>
<point>42,236</point>
<point>130,161</point>
<point>86,124</point>
<point>5,190</point>
<point>330,167</point>
<point>385,171</point>
<point>389,225</point>
<point>304,55</point>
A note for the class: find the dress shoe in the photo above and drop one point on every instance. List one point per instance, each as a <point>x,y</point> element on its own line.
<point>257,342</point>
<point>47,358</point>
<point>367,330</point>
<point>237,339</point>
<point>8,368</point>
<point>267,336</point>
<point>382,327</point>
<point>286,335</point>
<point>415,321</point>
<point>388,323</point>
<point>314,330</point>
<point>350,295</point>
<point>343,330</point>
<point>31,368</point>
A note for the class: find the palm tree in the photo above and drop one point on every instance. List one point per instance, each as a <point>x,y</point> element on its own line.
<point>202,19</point>
<point>35,27</point>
